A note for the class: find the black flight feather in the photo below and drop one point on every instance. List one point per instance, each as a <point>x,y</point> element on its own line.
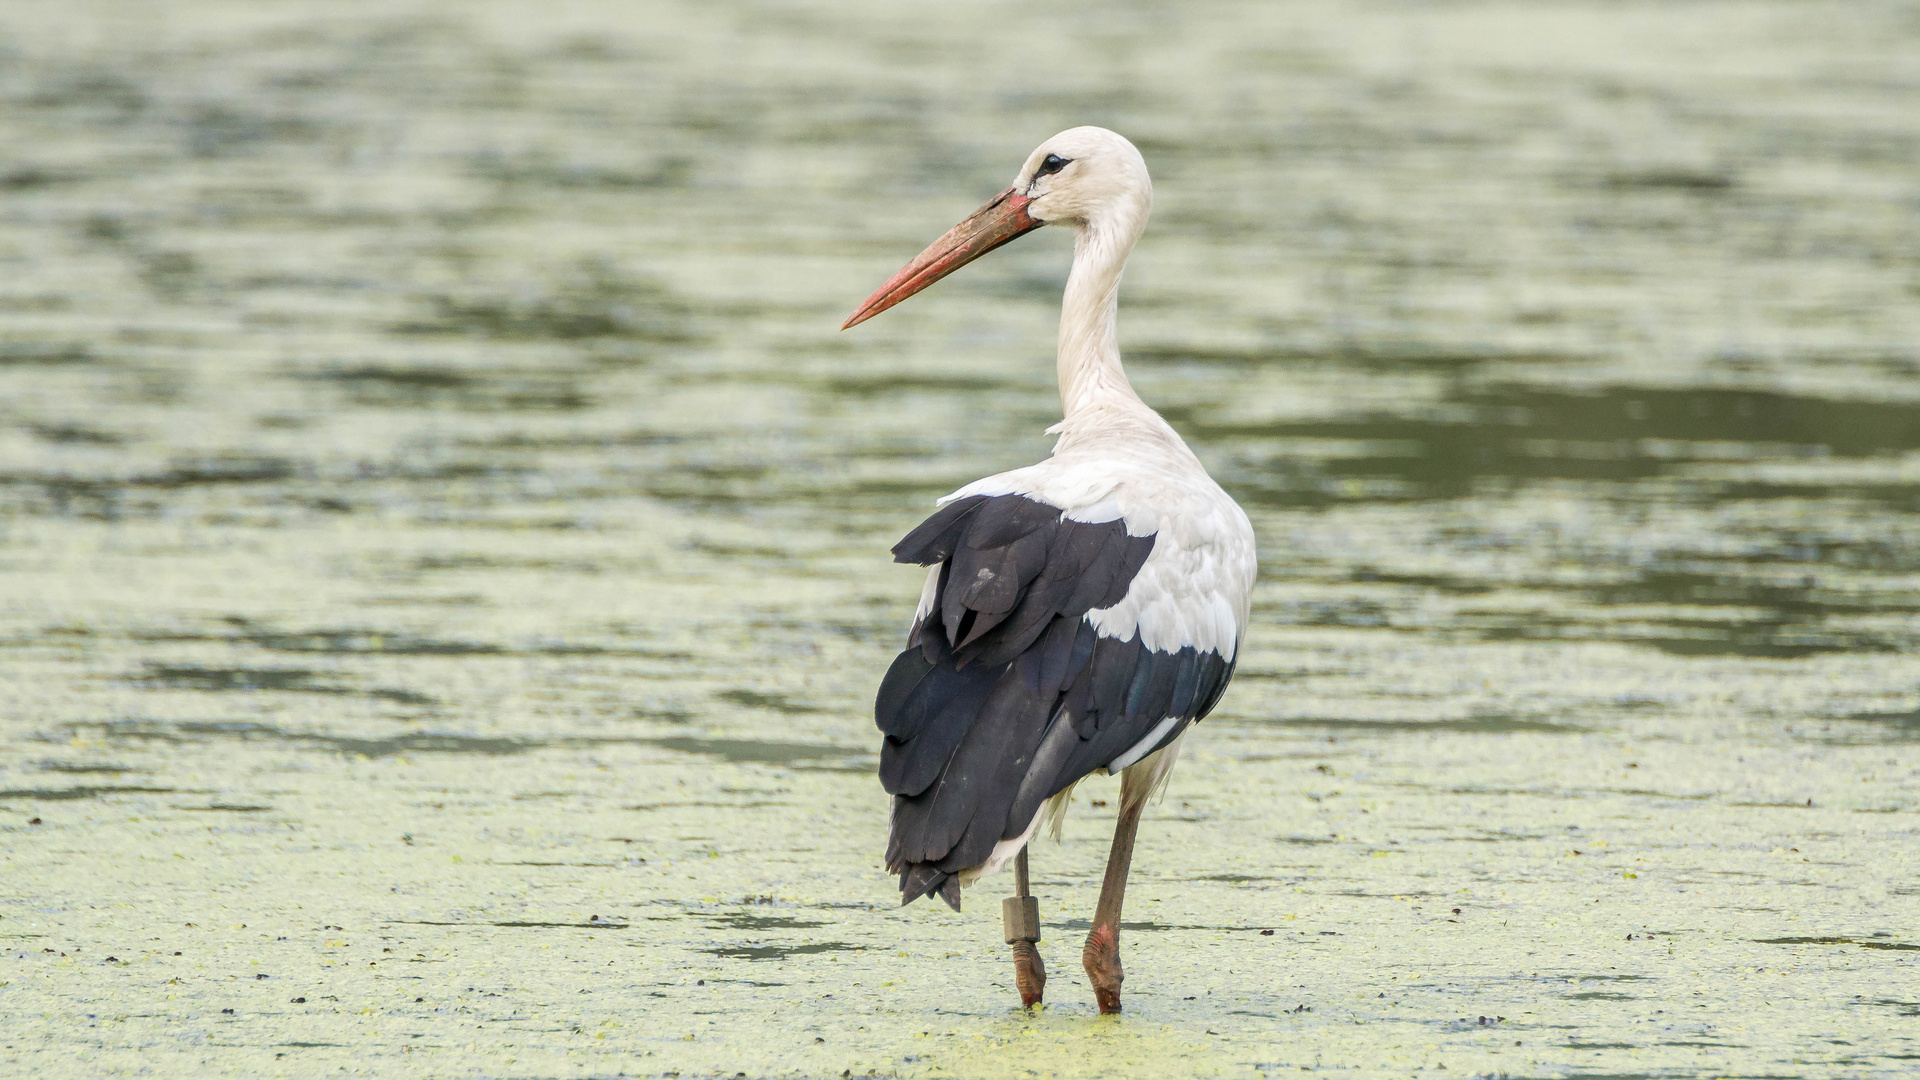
<point>937,536</point>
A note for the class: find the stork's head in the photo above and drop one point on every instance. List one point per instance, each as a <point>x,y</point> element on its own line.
<point>1086,177</point>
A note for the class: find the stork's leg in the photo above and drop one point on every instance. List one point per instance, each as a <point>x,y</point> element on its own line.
<point>1021,913</point>
<point>1101,957</point>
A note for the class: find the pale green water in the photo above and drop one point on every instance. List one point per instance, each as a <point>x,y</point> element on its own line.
<point>442,534</point>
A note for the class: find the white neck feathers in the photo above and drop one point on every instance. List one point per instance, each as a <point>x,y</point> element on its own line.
<point>1094,391</point>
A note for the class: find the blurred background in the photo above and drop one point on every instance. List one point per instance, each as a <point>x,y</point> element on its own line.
<point>443,533</point>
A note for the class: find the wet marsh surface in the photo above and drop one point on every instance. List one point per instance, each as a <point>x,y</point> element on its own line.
<point>443,535</point>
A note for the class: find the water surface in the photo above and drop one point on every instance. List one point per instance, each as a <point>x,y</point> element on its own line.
<point>442,534</point>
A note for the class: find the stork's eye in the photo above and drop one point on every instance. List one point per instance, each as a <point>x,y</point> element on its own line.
<point>1053,164</point>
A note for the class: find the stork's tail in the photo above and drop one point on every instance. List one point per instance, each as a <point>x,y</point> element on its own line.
<point>922,879</point>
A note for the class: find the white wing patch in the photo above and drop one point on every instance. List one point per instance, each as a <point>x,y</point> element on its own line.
<point>1184,596</point>
<point>1196,588</point>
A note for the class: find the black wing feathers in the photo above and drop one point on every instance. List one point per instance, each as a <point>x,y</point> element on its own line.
<point>1006,694</point>
<point>935,538</point>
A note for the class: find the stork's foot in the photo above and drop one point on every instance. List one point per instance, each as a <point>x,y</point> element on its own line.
<point>1029,974</point>
<point>1101,958</point>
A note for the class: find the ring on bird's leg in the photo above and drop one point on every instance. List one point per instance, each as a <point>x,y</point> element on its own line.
<point>1021,915</point>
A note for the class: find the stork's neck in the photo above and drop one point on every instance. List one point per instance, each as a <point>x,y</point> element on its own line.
<point>1093,387</point>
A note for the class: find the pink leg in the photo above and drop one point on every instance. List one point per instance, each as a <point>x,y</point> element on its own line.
<point>1101,957</point>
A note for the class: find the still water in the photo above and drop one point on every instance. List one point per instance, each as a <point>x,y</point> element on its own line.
<point>443,534</point>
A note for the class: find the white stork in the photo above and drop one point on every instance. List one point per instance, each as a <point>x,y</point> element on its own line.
<point>1079,614</point>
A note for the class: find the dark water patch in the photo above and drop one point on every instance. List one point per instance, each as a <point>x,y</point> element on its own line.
<point>221,679</point>
<point>222,131</point>
<point>89,91</point>
<point>1649,793</point>
<point>735,551</point>
<point>591,924</point>
<point>344,641</point>
<point>1478,725</point>
<point>362,642</point>
<point>1892,946</point>
<point>731,487</point>
<point>74,793</point>
<point>1441,583</point>
<point>596,305</point>
<point>84,769</point>
<point>43,354</point>
<point>756,751</point>
<point>233,469</point>
<point>1241,879</point>
<point>543,171</point>
<point>169,274</point>
<point>226,808</point>
<point>472,561</point>
<point>763,922</point>
<point>779,703</point>
<point>691,803</point>
<point>34,177</point>
<point>75,434</point>
<point>417,378</point>
<point>781,952</point>
<point>1291,673</point>
<point>1496,838</point>
<point>115,498</point>
<point>440,600</point>
<point>1891,726</point>
<point>1702,181</point>
<point>1516,433</point>
<point>389,387</point>
<point>371,642</point>
<point>1598,995</point>
<point>1373,356</point>
<point>1357,612</point>
<point>610,440</point>
<point>1778,637</point>
<point>1739,585</point>
<point>884,383</point>
<point>272,680</point>
<point>1147,925</point>
<point>249,731</point>
<point>741,751</point>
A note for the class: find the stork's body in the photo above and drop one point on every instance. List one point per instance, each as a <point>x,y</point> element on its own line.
<point>1079,614</point>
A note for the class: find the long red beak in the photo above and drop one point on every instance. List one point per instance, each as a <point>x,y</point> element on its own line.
<point>987,228</point>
